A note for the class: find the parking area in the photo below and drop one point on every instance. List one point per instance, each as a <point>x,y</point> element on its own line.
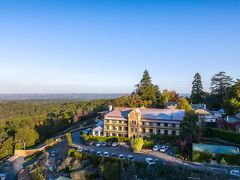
<point>123,149</point>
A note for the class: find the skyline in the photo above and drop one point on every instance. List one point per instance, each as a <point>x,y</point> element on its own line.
<point>104,47</point>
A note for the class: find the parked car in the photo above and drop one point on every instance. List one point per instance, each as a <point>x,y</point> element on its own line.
<point>92,151</point>
<point>156,148</point>
<point>150,161</point>
<point>163,149</point>
<point>86,150</point>
<point>130,158</point>
<point>6,163</point>
<point>98,144</point>
<point>3,176</point>
<point>113,155</point>
<point>104,144</point>
<point>79,149</point>
<point>235,173</point>
<point>99,153</point>
<point>121,156</point>
<point>53,153</point>
<point>106,154</point>
<point>114,144</point>
<point>109,144</point>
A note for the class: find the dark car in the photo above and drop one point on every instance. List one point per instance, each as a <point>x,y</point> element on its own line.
<point>109,144</point>
<point>6,164</point>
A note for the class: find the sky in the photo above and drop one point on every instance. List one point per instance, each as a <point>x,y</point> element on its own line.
<point>96,46</point>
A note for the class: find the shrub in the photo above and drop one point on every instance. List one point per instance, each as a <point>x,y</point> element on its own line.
<point>103,138</point>
<point>148,144</point>
<point>49,141</point>
<point>230,136</point>
<point>71,152</point>
<point>137,144</point>
<point>229,159</point>
<point>164,138</point>
<point>69,138</point>
<point>198,156</point>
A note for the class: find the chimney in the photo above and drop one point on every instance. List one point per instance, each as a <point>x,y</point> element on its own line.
<point>110,108</point>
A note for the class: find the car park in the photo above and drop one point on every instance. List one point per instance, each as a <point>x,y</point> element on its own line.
<point>53,153</point>
<point>163,149</point>
<point>86,150</point>
<point>106,154</point>
<point>109,144</point>
<point>130,158</point>
<point>156,148</point>
<point>114,144</point>
<point>150,161</point>
<point>92,151</point>
<point>98,144</point>
<point>121,156</point>
<point>235,173</point>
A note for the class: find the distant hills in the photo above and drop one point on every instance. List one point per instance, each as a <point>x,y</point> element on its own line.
<point>63,96</point>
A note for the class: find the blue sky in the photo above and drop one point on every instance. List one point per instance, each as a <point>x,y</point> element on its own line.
<point>72,46</point>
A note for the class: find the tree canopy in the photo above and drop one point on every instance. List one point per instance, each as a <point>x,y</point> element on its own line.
<point>232,99</point>
<point>197,89</point>
<point>183,104</point>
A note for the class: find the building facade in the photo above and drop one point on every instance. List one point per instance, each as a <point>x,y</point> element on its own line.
<point>140,122</point>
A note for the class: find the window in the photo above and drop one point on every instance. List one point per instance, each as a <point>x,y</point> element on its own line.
<point>126,128</point>
<point>174,133</point>
<point>151,130</point>
<point>107,127</point>
<point>134,122</point>
<point>120,128</point>
<point>173,125</point>
<point>158,124</point>
<point>143,130</point>
<point>131,129</point>
<point>165,124</point>
<point>113,134</point>
<point>143,123</point>
<point>165,132</point>
<point>150,124</point>
<point>114,128</point>
<point>159,132</point>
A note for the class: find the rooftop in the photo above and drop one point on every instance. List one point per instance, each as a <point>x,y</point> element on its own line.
<point>148,113</point>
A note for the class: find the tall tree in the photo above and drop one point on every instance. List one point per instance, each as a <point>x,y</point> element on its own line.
<point>232,99</point>
<point>220,83</point>
<point>188,133</point>
<point>146,89</point>
<point>197,89</point>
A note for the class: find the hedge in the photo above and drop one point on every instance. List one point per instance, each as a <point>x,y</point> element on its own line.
<point>198,156</point>
<point>230,159</point>
<point>165,138</point>
<point>230,136</point>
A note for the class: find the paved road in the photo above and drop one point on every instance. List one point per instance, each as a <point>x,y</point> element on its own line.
<point>77,140</point>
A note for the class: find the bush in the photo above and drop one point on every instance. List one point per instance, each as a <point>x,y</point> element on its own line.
<point>198,156</point>
<point>148,144</point>
<point>137,144</point>
<point>230,136</point>
<point>71,152</point>
<point>165,138</point>
<point>229,159</point>
<point>69,138</point>
<point>49,141</point>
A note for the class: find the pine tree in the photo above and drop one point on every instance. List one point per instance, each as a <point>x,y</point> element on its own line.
<point>197,89</point>
<point>220,84</point>
<point>146,89</point>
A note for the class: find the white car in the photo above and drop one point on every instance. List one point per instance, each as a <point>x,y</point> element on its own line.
<point>98,144</point>
<point>104,144</point>
<point>99,153</point>
<point>156,148</point>
<point>163,149</point>
<point>114,144</point>
<point>53,153</point>
<point>79,149</point>
<point>106,154</point>
<point>130,158</point>
<point>3,176</point>
<point>150,161</point>
<point>235,173</point>
<point>121,156</point>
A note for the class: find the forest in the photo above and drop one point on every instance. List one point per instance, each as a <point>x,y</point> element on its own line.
<point>25,123</point>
